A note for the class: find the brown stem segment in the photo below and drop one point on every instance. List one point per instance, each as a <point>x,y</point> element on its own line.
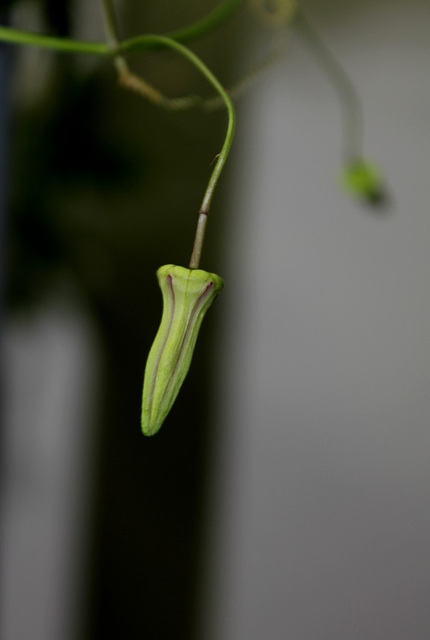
<point>199,239</point>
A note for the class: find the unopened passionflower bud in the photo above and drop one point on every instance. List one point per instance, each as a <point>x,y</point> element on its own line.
<point>363,180</point>
<point>187,295</point>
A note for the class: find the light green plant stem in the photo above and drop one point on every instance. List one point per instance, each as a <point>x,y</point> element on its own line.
<point>216,17</point>
<point>141,44</point>
<point>67,45</point>
<point>213,19</point>
<point>112,30</point>
<point>350,102</point>
<point>221,158</point>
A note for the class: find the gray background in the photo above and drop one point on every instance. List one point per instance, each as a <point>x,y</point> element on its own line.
<point>322,477</point>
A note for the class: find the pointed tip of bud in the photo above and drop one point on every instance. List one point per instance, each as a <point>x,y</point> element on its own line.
<point>363,181</point>
<point>187,295</point>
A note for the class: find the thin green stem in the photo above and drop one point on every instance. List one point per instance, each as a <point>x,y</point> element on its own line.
<point>152,42</point>
<point>164,41</point>
<point>212,20</point>
<point>67,45</point>
<point>216,17</point>
<point>348,96</point>
<point>222,157</point>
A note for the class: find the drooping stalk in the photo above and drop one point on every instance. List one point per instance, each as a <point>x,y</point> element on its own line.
<point>112,31</point>
<point>222,157</point>
<point>143,43</point>
<point>352,110</point>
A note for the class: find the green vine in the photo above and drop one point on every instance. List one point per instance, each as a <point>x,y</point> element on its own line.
<point>136,44</point>
<point>115,48</point>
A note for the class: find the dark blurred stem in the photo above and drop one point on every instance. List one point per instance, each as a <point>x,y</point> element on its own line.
<point>352,111</point>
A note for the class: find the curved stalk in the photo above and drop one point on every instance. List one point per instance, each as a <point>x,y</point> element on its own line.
<point>216,17</point>
<point>222,157</point>
<point>126,76</point>
<point>140,44</point>
<point>347,93</point>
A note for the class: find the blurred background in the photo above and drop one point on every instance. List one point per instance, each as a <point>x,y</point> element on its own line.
<point>287,494</point>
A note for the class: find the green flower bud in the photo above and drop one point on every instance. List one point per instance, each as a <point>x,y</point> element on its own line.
<point>187,295</point>
<point>364,181</point>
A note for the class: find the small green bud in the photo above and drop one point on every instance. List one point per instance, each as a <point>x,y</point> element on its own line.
<point>364,181</point>
<point>187,295</point>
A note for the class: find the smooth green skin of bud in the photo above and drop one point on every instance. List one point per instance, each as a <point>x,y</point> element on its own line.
<point>362,179</point>
<point>187,295</point>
